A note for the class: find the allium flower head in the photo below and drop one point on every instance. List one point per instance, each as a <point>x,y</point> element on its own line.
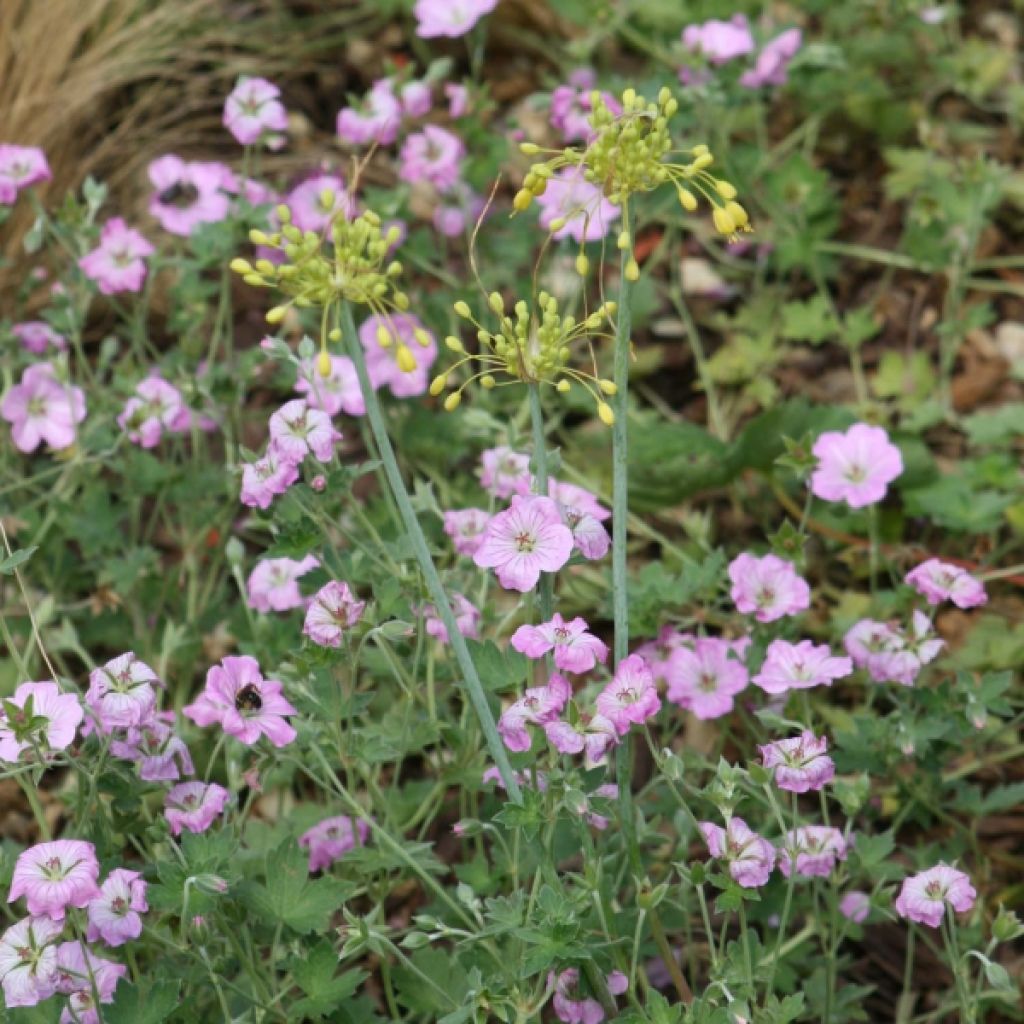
<point>720,41</point>
<point>243,703</point>
<point>538,706</point>
<point>526,539</point>
<point>749,856</point>
<point>121,694</point>
<point>333,610</point>
<point>924,896</point>
<point>117,264</point>
<point>253,113</point>
<point>706,677</point>
<point>266,478</point>
<point>332,838</point>
<point>504,472</point>
<point>28,960</point>
<point>274,584</point>
<point>799,667</point>
<point>939,581</point>
<point>42,409</point>
<point>631,697</point>
<point>856,467</point>
<point>433,155</point>
<point>467,618</point>
<point>194,806</point>
<point>189,193</point>
<point>156,406</point>
<point>580,207</point>
<point>336,392</point>
<point>767,587</point>
<point>376,119</point>
<point>575,650</point>
<point>817,848</point>
<point>399,353</point>
<point>799,764</point>
<point>36,336</point>
<point>297,430</point>
<point>450,18</point>
<point>466,528</point>
<point>54,876</point>
<point>114,914</point>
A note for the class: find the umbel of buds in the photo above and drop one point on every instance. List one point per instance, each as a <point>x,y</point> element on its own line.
<point>532,346</point>
<point>348,262</point>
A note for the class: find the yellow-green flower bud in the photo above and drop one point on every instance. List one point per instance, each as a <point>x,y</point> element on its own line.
<point>739,216</point>
<point>623,242</point>
<point>529,148</point>
<point>497,303</point>
<point>451,403</point>
<point>608,386</point>
<point>487,382</point>
<point>284,215</point>
<point>422,337</point>
<point>334,334</point>
<point>582,264</point>
<point>556,225</point>
<point>687,200</point>
<point>632,270</point>
<point>405,359</point>
<point>725,189</point>
<point>275,315</point>
<point>240,266</point>
<point>254,279</point>
<point>724,224</point>
<point>462,309</point>
<point>401,301</point>
<point>522,200</point>
<point>323,364</point>
<point>604,410</point>
<point>453,344</point>
<point>384,338</point>
<point>437,385</point>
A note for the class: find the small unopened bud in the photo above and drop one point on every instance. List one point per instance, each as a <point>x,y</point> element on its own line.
<point>384,338</point>
<point>453,344</point>
<point>487,382</point>
<point>318,483</point>
<point>437,385</point>
<point>724,224</point>
<point>240,266</point>
<point>327,198</point>
<point>451,403</point>
<point>604,410</point>
<point>422,337</point>
<point>258,237</point>
<point>284,215</point>
<point>739,216</point>
<point>276,315</point>
<point>632,270</point>
<point>522,200</point>
<point>334,334</point>
<point>529,148</point>
<point>725,189</point>
<point>687,200</point>
<point>623,241</point>
<point>497,303</point>
<point>563,386</point>
<point>462,309</point>
<point>556,225</point>
<point>582,264</point>
<point>255,280</point>
<point>265,267</point>
<point>406,360</point>
<point>323,364</point>
<point>608,386</point>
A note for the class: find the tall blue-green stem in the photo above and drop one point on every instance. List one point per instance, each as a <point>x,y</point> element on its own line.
<point>540,474</point>
<point>435,587</point>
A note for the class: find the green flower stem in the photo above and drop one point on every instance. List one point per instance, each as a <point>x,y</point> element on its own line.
<point>434,585</point>
<point>540,466</point>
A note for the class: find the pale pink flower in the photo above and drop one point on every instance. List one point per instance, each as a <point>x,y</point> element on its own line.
<point>114,914</point>
<point>526,780</point>
<point>121,694</point>
<point>767,587</point>
<point>243,703</point>
<point>54,876</point>
<point>466,528</point>
<point>572,105</point>
<point>37,336</point>
<point>53,716</point>
<point>296,430</point>
<point>416,98</point>
<point>867,640</point>
<point>318,201</point>
<point>538,706</point>
<point>458,99</point>
<point>467,618</point>
<point>588,215</point>
<point>457,209</point>
<point>28,959</point>
<point>749,856</point>
<point>609,791</point>
<point>274,584</point>
<point>20,167</point>
<point>631,697</point>
<point>658,652</point>
<point>375,119</point>
<point>720,41</point>
<point>706,677</point>
<point>939,581</point>
<point>117,264</point>
<point>338,392</point>
<point>194,806</point>
<point>404,330</point>
<point>856,467</point>
<point>504,472</point>
<point>433,155</point>
<point>253,113</point>
<point>575,650</point>
<point>333,610</point>
<point>569,1006</point>
<point>449,17</point>
<point>592,736</point>
<point>526,539</point>
<point>799,667</point>
<point>189,193</point>
<point>332,838</point>
<point>156,748</point>
<point>155,407</point>
<point>817,848</point>
<point>78,969</point>
<point>855,906</point>
<point>799,764</point>
<point>772,62</point>
<point>578,498</point>
<point>266,478</point>
<point>924,896</point>
<point>42,409</point>
<point>589,536</point>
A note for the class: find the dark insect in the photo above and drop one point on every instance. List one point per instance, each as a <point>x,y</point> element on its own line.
<point>248,699</point>
<point>179,194</point>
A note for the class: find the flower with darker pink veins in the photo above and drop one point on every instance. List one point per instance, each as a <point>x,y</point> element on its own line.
<point>526,780</point>
<point>573,1008</point>
<point>189,193</point>
<point>37,718</point>
<point>114,914</point>
<point>593,736</point>
<point>526,539</point>
<point>450,18</point>
<point>36,336</point>
<point>332,838</point>
<point>578,498</point>
<point>706,677</point>
<point>749,856</point>
<point>54,876</point>
<point>296,431</point>
<point>376,118</point>
<point>121,694</point>
<point>575,650</point>
<point>433,155</point>
<point>42,409</point>
<point>155,407</point>
<point>924,896</point>
<point>772,62</point>
<point>589,536</point>
<point>939,581</point>
<point>338,392</point>
<point>243,703</point>
<point>539,705</point>
<point>658,652</point>
<point>318,201</point>
<point>504,472</point>
<point>266,478</point>
<point>156,748</point>
<point>631,697</point>
<point>582,207</point>
<point>817,847</point>
<point>274,584</point>
<point>467,618</point>
<point>28,960</point>
<point>799,764</point>
<point>767,587</point>
<point>253,112</point>
<point>79,970</point>
<point>118,263</point>
<point>466,528</point>
<point>403,363</point>
<point>856,467</point>
<point>800,667</point>
<point>20,167</point>
<point>868,642</point>
<point>333,610</point>
<point>720,41</point>
<point>194,806</point>
<point>855,906</point>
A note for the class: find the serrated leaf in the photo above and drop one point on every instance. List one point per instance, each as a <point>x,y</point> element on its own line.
<point>150,1005</point>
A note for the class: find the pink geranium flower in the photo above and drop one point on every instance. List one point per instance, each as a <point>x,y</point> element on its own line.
<point>253,113</point>
<point>767,587</point>
<point>589,536</point>
<point>924,896</point>
<point>572,1008</point>
<point>37,336</point>
<point>339,392</point>
<point>54,876</point>
<point>274,584</point>
<point>189,193</point>
<point>593,736</point>
<point>194,806</point>
<point>332,838</point>
<point>266,478</point>
<point>296,431</point>
<point>376,119</point>
<point>856,467</point>
<point>855,906</point>
<point>156,748</point>
<point>42,409</point>
<point>416,98</point>
<point>504,472</point>
<point>588,215</point>
<point>433,155</point>
<point>114,914</point>
<point>538,706</point>
<point>575,649</point>
<point>467,618</point>
<point>706,677</point>
<point>658,652</point>
<point>121,694</point>
<point>333,610</point>
<point>155,407</point>
<point>800,763</point>
<point>20,167</point>
<point>466,528</point>
<point>799,667</point>
<point>28,960</point>
<point>117,264</point>
<point>817,849</point>
<point>243,703</point>
<point>631,697</point>
<point>38,717</point>
<point>405,331</point>
<point>526,539</point>
<point>449,17</point>
<point>457,209</point>
<point>578,498</point>
<point>772,62</point>
<point>458,99</point>
<point>720,41</point>
<point>318,201</point>
<point>749,856</point>
<point>79,970</point>
<point>939,581</point>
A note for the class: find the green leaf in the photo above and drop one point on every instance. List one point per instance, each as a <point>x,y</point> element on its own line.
<point>812,321</point>
<point>872,850</point>
<point>1002,798</point>
<point>316,975</point>
<point>16,558</point>
<point>498,669</point>
<point>151,1005</point>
